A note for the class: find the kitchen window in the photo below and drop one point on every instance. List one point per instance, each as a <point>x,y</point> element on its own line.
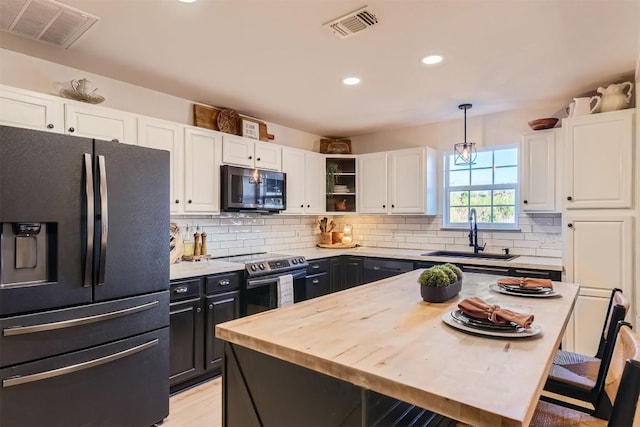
<point>490,185</point>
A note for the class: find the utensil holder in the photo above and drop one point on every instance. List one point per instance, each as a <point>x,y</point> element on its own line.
<point>325,238</point>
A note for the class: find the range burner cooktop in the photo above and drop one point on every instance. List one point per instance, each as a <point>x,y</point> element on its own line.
<point>258,264</point>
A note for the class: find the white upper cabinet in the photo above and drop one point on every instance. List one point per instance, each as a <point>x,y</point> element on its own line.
<point>202,155</point>
<point>167,136</point>
<point>26,109</point>
<point>315,183</point>
<point>598,160</point>
<point>293,166</point>
<point>373,186</point>
<point>412,181</point>
<point>90,121</point>
<point>538,171</point>
<point>305,181</point>
<point>398,182</point>
<point>246,152</point>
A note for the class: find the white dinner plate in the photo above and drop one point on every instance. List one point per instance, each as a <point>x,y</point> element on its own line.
<point>518,333</point>
<point>495,288</point>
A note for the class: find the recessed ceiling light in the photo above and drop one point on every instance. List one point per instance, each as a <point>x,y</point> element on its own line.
<point>351,81</point>
<point>432,59</point>
<point>187,1</point>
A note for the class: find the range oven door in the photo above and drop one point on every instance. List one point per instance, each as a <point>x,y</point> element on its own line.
<point>261,293</point>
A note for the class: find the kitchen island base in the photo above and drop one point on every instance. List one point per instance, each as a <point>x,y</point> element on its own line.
<point>260,390</point>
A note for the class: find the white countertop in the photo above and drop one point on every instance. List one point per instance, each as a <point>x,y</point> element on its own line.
<point>186,269</point>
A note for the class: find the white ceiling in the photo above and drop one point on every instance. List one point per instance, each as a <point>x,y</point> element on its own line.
<point>274,60</point>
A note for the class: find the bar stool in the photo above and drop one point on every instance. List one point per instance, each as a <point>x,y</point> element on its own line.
<point>582,377</point>
<point>622,385</point>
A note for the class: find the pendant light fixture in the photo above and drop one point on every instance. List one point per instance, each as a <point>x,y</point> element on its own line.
<point>465,152</point>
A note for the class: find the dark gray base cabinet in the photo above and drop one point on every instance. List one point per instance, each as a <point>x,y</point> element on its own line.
<point>197,306</point>
<point>346,272</point>
<point>220,308</point>
<point>186,340</point>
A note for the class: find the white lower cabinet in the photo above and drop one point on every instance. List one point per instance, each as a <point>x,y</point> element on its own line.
<point>31,110</point>
<point>305,181</point>
<point>167,136</point>
<point>90,121</point>
<point>202,156</point>
<point>538,154</point>
<point>599,257</point>
<point>398,182</point>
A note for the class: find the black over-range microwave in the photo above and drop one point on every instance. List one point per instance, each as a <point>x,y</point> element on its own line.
<point>252,190</point>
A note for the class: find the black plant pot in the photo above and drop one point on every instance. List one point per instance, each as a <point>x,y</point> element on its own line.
<point>440,294</point>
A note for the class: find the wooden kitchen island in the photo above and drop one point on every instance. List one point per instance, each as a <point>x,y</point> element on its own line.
<point>377,353</point>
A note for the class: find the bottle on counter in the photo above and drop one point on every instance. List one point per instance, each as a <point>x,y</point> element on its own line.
<point>188,242</point>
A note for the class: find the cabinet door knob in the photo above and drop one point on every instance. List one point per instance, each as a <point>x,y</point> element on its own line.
<point>189,201</point>
<point>198,310</point>
<point>393,206</point>
<point>250,157</point>
<point>224,282</point>
<point>525,201</point>
<point>302,206</point>
<point>570,225</point>
<point>258,159</point>
<point>210,306</point>
<point>50,126</point>
<point>177,201</point>
<point>569,198</point>
<point>308,206</point>
<point>384,206</point>
<point>72,130</point>
<point>315,281</point>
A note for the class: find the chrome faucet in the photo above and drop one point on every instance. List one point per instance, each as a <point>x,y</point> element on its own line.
<point>473,232</point>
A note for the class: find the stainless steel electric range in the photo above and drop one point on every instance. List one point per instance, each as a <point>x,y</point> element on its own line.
<point>262,272</point>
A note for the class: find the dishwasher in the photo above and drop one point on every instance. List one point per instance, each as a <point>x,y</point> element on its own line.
<point>378,269</point>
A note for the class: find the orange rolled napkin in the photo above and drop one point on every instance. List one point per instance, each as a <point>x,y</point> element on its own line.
<point>478,309</point>
<point>525,282</point>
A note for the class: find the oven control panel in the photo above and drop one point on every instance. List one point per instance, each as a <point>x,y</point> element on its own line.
<point>275,265</point>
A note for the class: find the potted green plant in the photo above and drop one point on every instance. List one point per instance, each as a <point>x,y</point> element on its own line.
<point>332,178</point>
<point>440,283</point>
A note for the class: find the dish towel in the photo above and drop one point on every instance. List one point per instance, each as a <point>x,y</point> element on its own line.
<point>478,309</point>
<point>285,290</point>
<point>525,282</point>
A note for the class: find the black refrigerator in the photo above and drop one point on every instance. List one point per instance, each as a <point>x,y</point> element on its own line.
<point>84,279</point>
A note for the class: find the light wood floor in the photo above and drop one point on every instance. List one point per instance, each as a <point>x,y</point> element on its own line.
<point>200,406</point>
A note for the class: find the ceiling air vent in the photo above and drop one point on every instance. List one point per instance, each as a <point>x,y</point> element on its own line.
<point>45,20</point>
<point>352,23</point>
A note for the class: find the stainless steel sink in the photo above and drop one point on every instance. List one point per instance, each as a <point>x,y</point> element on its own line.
<point>458,254</point>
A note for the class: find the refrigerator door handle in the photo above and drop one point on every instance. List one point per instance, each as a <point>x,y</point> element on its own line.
<point>21,330</point>
<point>88,188</point>
<point>104,219</point>
<point>78,367</point>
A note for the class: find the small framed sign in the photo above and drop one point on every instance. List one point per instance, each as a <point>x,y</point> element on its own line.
<point>250,129</point>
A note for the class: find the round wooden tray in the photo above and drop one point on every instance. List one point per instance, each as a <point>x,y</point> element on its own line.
<point>337,245</point>
<point>229,121</point>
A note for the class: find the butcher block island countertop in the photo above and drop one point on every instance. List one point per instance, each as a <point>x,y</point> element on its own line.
<point>383,337</point>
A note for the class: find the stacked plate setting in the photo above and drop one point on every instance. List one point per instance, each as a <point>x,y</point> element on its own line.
<point>338,188</point>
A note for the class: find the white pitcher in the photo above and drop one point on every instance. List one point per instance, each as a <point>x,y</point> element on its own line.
<point>614,98</point>
<point>585,105</point>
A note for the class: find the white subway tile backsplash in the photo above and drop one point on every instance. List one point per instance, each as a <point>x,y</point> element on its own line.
<point>232,234</point>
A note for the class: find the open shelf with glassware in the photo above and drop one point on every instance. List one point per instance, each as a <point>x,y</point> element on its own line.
<point>341,183</point>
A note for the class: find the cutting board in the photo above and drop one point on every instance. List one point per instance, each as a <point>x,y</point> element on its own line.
<point>207,117</point>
